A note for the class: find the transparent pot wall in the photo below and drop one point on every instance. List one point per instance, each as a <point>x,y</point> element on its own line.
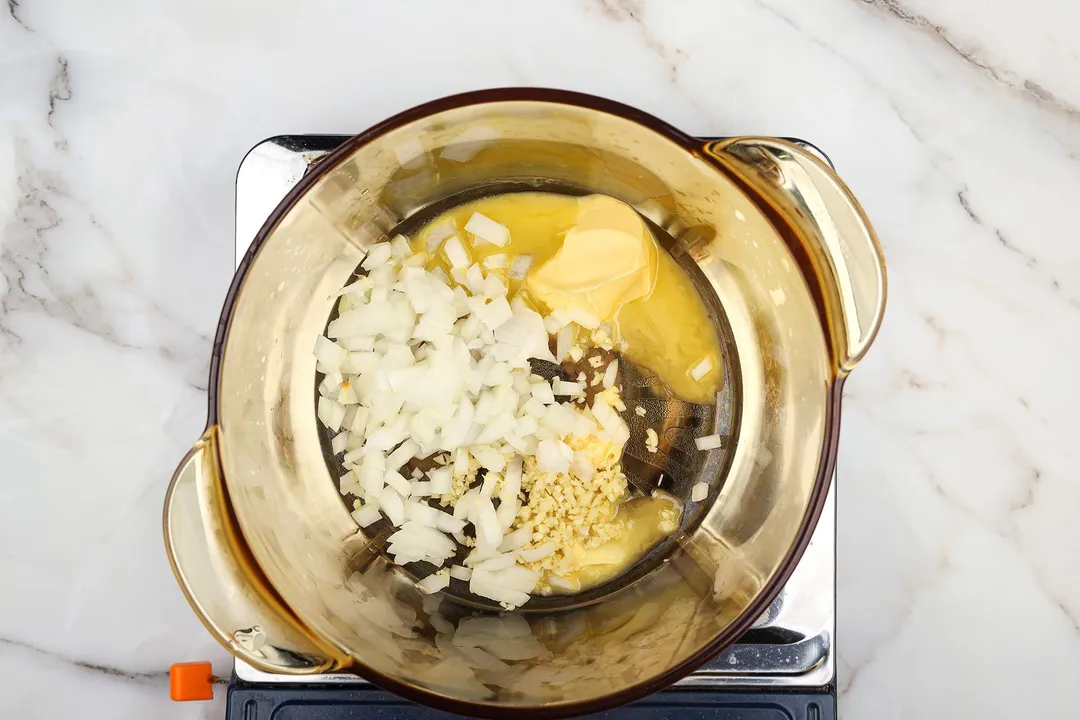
<point>772,412</point>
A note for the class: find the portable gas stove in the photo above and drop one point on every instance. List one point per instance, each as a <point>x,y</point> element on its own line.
<point>783,667</point>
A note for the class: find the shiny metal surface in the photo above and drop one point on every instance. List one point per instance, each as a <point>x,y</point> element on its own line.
<point>791,645</point>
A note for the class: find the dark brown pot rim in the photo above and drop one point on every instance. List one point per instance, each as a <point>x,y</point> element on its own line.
<point>817,497</point>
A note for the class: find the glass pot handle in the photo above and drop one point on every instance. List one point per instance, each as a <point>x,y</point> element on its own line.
<point>221,580</point>
<point>804,193</point>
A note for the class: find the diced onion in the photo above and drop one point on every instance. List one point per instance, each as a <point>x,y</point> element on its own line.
<point>537,553</point>
<point>699,492</point>
<point>434,583</point>
<point>329,354</point>
<point>486,229</point>
<point>488,532</point>
<point>331,413</point>
<point>392,505</point>
<point>611,373</point>
<point>520,266</point>
<point>564,340</point>
<point>498,562</point>
<point>702,369</point>
<point>421,513</point>
<point>405,452</point>
<point>366,516</point>
<point>570,389</point>
<point>550,458</point>
<point>376,256</point>
<point>456,252</point>
<point>438,232</point>
<point>709,442</point>
<point>395,480</point>
<point>512,541</point>
<point>440,481</point>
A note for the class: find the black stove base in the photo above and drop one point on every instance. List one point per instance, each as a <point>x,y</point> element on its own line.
<point>264,701</point>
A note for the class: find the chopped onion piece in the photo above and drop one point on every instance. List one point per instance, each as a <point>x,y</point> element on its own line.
<point>372,471</point>
<point>405,452</point>
<point>399,247</point>
<point>392,505</point>
<point>474,276</point>
<point>456,253</point>
<point>508,494</point>
<point>699,492</point>
<point>448,523</point>
<point>570,389</point>
<point>441,480</point>
<point>460,572</point>
<point>494,287</point>
<point>537,553</point>
<point>331,413</point>
<point>434,583</point>
<point>487,487</point>
<point>495,313</point>
<point>652,440</point>
<point>376,256</point>
<point>488,533</point>
<point>513,540</point>
<point>394,479</point>
<point>329,354</point>
<point>611,373</point>
<point>464,506</point>
<point>499,260</point>
<point>486,229</point>
<point>517,577</point>
<point>520,266</point>
<point>421,513</point>
<point>498,562</point>
<point>709,442</point>
<point>702,369</point>
<point>542,392</point>
<point>564,340</point>
<point>366,516</point>
<point>557,582</point>
<point>489,458</point>
<point>550,458</point>
<point>461,460</point>
<point>610,420</point>
<point>438,232</point>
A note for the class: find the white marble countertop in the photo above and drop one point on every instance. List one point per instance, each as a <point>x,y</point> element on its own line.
<point>956,122</point>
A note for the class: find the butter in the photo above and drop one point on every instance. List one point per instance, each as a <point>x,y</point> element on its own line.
<point>608,259</point>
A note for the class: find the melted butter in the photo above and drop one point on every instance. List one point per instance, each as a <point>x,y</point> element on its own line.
<point>608,259</point>
<point>642,525</point>
<point>596,253</point>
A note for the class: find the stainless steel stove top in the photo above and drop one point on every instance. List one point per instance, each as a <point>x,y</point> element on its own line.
<point>791,645</point>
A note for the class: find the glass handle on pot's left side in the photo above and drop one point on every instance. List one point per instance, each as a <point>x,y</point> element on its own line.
<point>220,579</point>
<point>841,243</point>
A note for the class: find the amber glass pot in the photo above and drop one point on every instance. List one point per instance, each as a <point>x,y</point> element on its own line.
<point>261,540</point>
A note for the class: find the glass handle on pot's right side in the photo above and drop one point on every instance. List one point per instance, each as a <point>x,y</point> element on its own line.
<point>812,198</point>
